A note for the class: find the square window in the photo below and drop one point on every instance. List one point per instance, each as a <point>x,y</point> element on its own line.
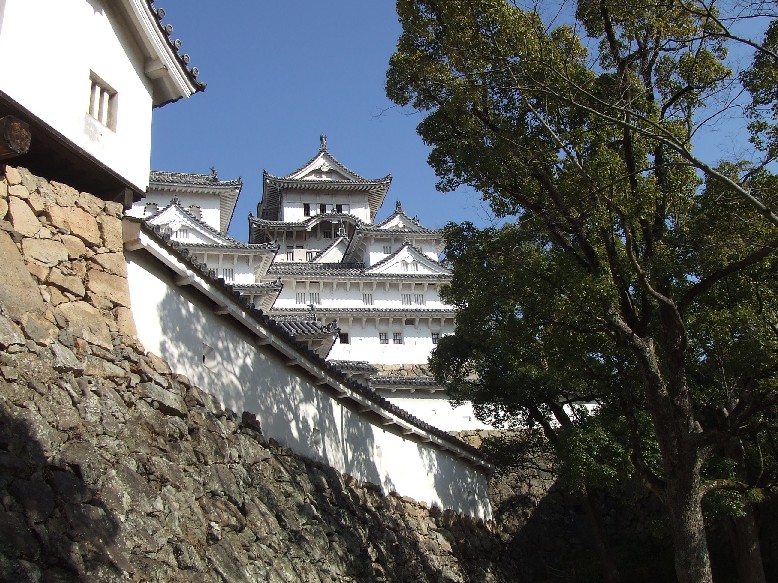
<point>299,298</point>
<point>309,255</point>
<point>228,273</point>
<point>314,298</point>
<point>387,249</point>
<point>406,299</point>
<point>367,299</point>
<point>343,337</point>
<point>383,337</point>
<point>418,299</point>
<point>397,338</point>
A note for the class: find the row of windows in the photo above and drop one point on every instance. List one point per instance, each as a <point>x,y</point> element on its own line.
<point>310,209</point>
<point>367,299</point>
<point>383,337</point>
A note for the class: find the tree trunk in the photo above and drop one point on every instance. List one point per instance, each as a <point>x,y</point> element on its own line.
<point>610,572</point>
<point>684,501</point>
<point>745,541</point>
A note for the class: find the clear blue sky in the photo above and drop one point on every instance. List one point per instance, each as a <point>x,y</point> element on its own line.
<point>280,73</point>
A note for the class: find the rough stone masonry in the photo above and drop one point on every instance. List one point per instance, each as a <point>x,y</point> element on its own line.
<point>114,469</point>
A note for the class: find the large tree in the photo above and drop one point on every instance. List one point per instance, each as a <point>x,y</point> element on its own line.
<point>633,258</point>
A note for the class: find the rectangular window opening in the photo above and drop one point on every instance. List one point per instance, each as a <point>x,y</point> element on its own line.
<point>383,337</point>
<point>397,338</point>
<point>343,337</point>
<point>435,337</point>
<point>103,102</point>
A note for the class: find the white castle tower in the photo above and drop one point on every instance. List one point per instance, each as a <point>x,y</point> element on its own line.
<point>364,295</point>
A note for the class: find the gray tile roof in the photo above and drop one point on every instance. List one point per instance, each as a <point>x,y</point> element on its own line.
<point>355,366</point>
<point>190,179</point>
<point>406,311</point>
<point>308,327</point>
<point>398,382</point>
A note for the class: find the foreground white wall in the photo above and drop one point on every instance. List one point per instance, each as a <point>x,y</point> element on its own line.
<point>52,50</point>
<point>225,360</point>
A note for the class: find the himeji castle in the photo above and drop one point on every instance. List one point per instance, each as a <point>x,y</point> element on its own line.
<point>362,294</point>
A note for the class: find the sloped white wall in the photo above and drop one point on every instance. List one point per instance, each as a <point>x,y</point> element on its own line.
<point>223,359</point>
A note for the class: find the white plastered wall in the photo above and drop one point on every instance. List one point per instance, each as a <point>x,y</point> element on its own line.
<point>177,324</point>
<point>50,48</point>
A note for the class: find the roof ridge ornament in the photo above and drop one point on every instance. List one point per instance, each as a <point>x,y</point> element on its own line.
<point>322,142</point>
<point>398,208</point>
<point>214,175</point>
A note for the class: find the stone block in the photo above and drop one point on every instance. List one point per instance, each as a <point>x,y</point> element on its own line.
<point>18,191</point>
<point>68,283</point>
<point>84,321</point>
<point>3,205</point>
<point>10,333</point>
<point>64,359</point>
<point>22,218</point>
<point>108,286</point>
<point>12,176</point>
<point>125,321</point>
<point>38,329</point>
<point>77,221</point>
<point>75,246</point>
<point>112,263</point>
<point>45,251</point>
<point>167,402</point>
<point>29,181</point>
<point>64,195</point>
<point>18,290</point>
<point>111,230</point>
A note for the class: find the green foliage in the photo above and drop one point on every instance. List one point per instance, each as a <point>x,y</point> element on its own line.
<point>631,275</point>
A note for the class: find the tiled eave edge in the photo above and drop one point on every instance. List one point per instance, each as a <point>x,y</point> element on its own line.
<point>139,235</point>
<point>405,312</point>
<point>163,60</point>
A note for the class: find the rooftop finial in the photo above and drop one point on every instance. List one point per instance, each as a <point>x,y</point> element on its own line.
<point>398,207</point>
<point>214,177</point>
<point>322,142</point>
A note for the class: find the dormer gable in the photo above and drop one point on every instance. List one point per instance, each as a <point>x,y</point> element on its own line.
<point>185,228</point>
<point>408,260</point>
<point>399,221</point>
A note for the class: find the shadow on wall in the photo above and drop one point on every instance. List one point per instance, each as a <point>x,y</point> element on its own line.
<point>51,522</point>
<point>223,360</point>
<point>451,486</point>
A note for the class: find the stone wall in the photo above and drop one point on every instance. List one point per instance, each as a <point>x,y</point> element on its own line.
<point>113,468</point>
